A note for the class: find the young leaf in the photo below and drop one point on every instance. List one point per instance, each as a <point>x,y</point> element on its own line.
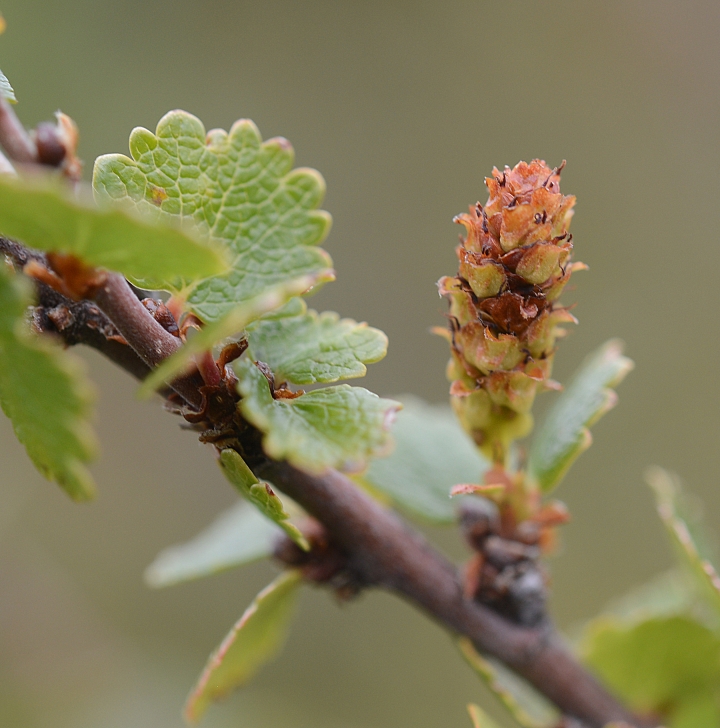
<point>6,90</point>
<point>239,189</point>
<point>253,641</point>
<point>659,665</point>
<point>239,535</point>
<point>231,323</point>
<point>565,434</point>
<point>528,708</point>
<point>338,426</point>
<point>261,495</point>
<point>44,392</point>
<point>683,531</point>
<point>432,453</point>
<point>480,718</point>
<point>44,216</point>
<point>315,347</point>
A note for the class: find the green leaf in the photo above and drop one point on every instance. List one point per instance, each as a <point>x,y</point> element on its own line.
<point>527,707</point>
<point>565,434</point>
<point>44,392</point>
<point>231,323</point>
<point>657,665</point>
<point>240,535</point>
<point>260,494</point>
<point>685,531</point>
<point>314,347</point>
<point>6,90</point>
<point>294,307</point>
<point>432,453</point>
<point>702,709</point>
<point>44,216</point>
<point>480,718</point>
<point>253,641</point>
<point>239,189</point>
<point>339,426</point>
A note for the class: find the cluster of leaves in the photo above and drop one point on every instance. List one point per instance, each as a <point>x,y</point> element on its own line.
<point>46,395</point>
<point>224,224</point>
<point>244,194</point>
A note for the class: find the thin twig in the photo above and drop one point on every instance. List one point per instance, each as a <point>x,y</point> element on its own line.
<point>82,322</point>
<point>150,341</point>
<point>75,322</point>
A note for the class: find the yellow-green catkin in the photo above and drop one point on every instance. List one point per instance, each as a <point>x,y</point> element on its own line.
<point>504,319</point>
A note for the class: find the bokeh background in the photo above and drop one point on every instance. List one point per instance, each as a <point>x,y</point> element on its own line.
<point>404,106</point>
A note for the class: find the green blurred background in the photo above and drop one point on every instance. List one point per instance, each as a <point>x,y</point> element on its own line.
<point>404,106</point>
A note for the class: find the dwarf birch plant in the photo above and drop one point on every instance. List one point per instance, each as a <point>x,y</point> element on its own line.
<point>188,264</point>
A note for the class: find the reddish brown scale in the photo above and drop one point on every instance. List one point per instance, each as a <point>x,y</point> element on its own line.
<point>231,352</point>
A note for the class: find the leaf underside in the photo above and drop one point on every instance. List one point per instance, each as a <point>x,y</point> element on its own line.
<point>44,216</point>
<point>432,453</point>
<point>239,535</point>
<point>334,427</point>
<point>240,190</point>
<point>44,392</point>
<point>256,639</point>
<point>565,434</point>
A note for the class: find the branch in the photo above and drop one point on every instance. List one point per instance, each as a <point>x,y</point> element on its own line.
<point>75,322</point>
<point>82,322</point>
<point>383,551</point>
<point>150,341</point>
<point>380,549</point>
